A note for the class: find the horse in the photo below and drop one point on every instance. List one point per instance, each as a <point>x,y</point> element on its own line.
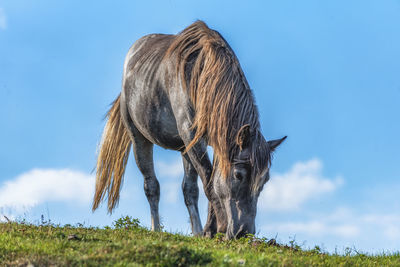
<point>185,92</point>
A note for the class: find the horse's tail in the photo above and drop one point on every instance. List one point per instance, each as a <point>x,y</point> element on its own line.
<point>112,158</point>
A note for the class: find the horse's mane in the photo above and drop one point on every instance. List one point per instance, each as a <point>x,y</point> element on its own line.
<point>220,94</point>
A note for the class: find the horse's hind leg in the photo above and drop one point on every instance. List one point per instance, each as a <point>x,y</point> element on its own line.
<point>143,151</point>
<point>191,194</point>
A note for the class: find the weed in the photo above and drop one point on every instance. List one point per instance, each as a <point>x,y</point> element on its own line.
<point>127,223</point>
<point>128,243</point>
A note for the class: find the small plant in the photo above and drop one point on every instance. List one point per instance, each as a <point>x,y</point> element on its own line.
<point>127,223</point>
<point>43,222</point>
<point>219,237</point>
<point>316,249</point>
<point>293,244</point>
<point>348,251</point>
<point>80,225</point>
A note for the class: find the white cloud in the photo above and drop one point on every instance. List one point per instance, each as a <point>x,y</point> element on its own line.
<point>389,223</point>
<point>43,185</point>
<point>172,169</point>
<point>314,228</point>
<point>288,191</point>
<point>344,227</point>
<point>392,232</point>
<point>172,191</point>
<point>341,222</point>
<point>3,19</point>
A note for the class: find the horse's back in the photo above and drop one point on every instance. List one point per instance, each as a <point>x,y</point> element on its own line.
<point>146,93</point>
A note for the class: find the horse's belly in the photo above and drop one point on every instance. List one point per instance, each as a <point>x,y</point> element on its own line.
<point>157,124</point>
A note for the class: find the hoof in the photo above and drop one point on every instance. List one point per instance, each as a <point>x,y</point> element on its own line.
<point>208,234</point>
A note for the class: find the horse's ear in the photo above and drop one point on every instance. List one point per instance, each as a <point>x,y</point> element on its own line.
<point>275,143</point>
<point>243,136</point>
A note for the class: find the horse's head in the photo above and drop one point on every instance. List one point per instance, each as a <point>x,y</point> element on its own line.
<point>239,191</point>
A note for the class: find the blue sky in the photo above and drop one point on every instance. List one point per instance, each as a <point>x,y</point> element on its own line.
<point>325,73</point>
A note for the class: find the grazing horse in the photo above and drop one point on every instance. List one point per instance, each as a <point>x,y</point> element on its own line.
<point>185,92</point>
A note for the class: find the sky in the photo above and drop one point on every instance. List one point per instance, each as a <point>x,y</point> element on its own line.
<point>324,73</point>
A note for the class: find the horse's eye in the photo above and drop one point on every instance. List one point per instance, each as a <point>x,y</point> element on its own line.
<point>238,174</point>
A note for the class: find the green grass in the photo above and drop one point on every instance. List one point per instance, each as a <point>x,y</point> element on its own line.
<point>129,244</point>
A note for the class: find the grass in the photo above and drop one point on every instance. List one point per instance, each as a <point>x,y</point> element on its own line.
<point>129,244</point>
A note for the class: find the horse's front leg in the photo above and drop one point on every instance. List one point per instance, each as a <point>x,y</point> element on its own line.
<point>216,219</point>
<point>191,195</point>
<point>210,228</point>
<point>183,112</point>
<point>190,190</point>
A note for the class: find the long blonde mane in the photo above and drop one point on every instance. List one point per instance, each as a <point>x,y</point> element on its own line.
<point>220,94</point>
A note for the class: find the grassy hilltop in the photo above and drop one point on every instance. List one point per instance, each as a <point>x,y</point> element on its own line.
<point>129,244</point>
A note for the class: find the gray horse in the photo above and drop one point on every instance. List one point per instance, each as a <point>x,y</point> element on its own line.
<point>185,92</point>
